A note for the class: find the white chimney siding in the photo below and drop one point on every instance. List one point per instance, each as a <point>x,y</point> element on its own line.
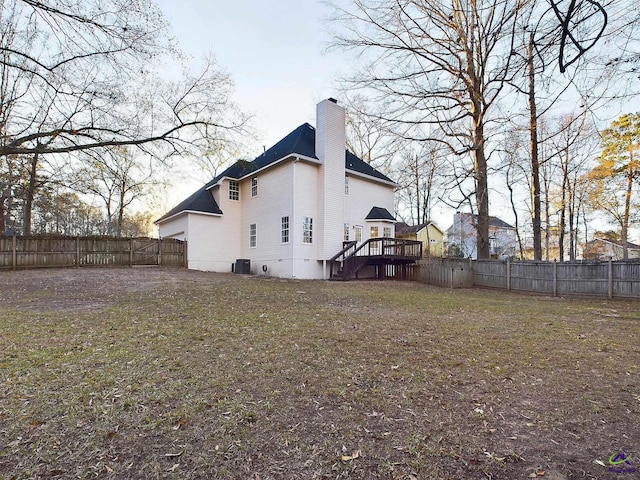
<point>331,151</point>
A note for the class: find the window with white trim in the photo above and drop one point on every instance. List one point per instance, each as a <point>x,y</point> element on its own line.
<point>346,185</point>
<point>307,230</point>
<point>234,190</point>
<point>254,187</point>
<point>386,232</point>
<point>253,235</point>
<point>284,233</point>
<point>374,232</point>
<point>346,232</point>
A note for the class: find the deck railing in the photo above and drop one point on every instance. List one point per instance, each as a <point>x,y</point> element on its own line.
<point>381,250</point>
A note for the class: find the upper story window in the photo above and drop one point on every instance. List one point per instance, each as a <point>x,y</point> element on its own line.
<point>284,233</point>
<point>307,230</point>
<point>386,232</point>
<point>346,232</point>
<point>234,190</point>
<point>346,185</point>
<point>254,187</point>
<point>374,232</point>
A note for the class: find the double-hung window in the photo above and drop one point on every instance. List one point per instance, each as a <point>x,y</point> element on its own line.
<point>254,187</point>
<point>234,190</point>
<point>307,230</point>
<point>284,230</point>
<point>253,235</point>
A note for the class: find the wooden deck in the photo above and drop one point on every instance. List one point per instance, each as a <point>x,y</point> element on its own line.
<point>387,256</point>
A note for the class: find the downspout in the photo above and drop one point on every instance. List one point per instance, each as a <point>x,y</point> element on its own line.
<point>292,223</point>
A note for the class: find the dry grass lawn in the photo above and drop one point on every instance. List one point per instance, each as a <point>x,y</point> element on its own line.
<point>168,373</point>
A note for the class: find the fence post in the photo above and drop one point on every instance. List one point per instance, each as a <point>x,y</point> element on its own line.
<point>131,252</point>
<point>14,257</point>
<point>159,252</point>
<point>77,251</point>
<point>508,275</point>
<point>610,293</point>
<point>555,278</point>
<point>185,251</point>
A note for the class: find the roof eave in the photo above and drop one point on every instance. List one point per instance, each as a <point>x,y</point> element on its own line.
<point>183,212</point>
<point>372,178</point>
<point>272,164</point>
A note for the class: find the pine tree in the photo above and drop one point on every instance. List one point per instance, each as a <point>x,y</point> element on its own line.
<point>617,172</point>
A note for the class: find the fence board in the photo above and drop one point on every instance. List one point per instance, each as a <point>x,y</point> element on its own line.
<point>58,251</point>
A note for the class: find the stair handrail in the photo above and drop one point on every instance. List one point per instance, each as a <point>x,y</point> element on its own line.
<point>346,247</point>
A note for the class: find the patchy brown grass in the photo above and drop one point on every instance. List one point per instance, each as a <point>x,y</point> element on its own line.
<point>167,373</point>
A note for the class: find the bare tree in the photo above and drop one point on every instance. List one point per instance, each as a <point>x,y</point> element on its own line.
<point>82,76</point>
<point>91,80</point>
<point>371,138</point>
<point>438,63</point>
<point>118,178</point>
<point>573,147</point>
<point>420,176</point>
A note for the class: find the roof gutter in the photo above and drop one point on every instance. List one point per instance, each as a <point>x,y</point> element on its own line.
<point>371,178</point>
<point>182,212</point>
<point>292,156</point>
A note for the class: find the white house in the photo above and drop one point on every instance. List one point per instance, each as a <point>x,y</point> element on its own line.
<point>288,211</point>
<point>604,248</point>
<point>462,237</point>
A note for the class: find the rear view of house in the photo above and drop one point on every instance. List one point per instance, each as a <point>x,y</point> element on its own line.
<point>287,212</point>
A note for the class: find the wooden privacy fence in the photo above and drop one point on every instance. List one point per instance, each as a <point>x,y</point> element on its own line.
<point>57,251</point>
<point>610,279</point>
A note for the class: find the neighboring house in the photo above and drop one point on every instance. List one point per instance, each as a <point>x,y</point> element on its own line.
<point>288,211</point>
<point>429,234</point>
<point>603,249</point>
<point>462,237</point>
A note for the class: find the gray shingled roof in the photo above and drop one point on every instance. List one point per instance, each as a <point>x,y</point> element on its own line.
<point>379,213</point>
<point>301,141</point>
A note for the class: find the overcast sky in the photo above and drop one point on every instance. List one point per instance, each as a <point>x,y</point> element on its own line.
<point>274,52</point>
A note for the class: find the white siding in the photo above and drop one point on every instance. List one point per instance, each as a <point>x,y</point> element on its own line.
<point>274,201</point>
<point>363,196</point>
<point>203,233</point>
<point>205,251</point>
<point>305,204</point>
<point>330,149</point>
<point>177,228</point>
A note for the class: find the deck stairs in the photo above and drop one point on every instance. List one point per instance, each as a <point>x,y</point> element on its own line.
<point>386,256</point>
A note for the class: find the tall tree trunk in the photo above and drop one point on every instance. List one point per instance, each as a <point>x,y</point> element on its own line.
<point>572,221</point>
<point>535,162</point>
<point>627,208</point>
<point>515,214</point>
<point>3,226</point>
<point>120,214</point>
<point>30,194</point>
<point>482,190</point>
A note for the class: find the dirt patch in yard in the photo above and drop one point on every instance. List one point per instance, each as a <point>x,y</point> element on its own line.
<point>169,373</point>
